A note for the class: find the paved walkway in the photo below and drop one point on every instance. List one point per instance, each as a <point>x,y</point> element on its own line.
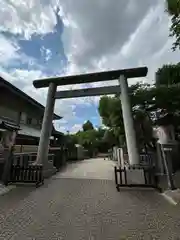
<point>96,168</point>
<point>82,203</point>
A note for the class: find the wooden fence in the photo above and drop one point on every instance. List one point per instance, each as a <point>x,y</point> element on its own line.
<point>28,174</point>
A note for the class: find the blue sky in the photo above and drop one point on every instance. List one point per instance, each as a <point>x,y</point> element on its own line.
<point>41,38</point>
<point>46,50</point>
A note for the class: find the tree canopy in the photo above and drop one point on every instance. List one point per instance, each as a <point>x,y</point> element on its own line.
<point>168,75</point>
<point>173,8</point>
<point>91,139</point>
<point>111,113</point>
<point>150,103</point>
<point>87,126</point>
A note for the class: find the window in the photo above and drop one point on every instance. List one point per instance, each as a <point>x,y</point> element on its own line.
<point>29,120</point>
<point>34,122</point>
<point>9,114</point>
<point>23,117</point>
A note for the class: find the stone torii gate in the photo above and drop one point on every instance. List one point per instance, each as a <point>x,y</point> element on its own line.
<point>121,75</point>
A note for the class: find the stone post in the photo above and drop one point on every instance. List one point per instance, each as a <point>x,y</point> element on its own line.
<point>128,122</point>
<point>43,149</point>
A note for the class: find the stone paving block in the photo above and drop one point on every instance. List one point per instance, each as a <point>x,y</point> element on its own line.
<point>135,176</point>
<point>80,209</point>
<point>90,209</point>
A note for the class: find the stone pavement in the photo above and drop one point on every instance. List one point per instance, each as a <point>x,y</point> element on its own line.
<point>96,168</point>
<point>4,189</point>
<point>73,206</point>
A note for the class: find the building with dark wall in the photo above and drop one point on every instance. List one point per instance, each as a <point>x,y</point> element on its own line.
<point>17,108</point>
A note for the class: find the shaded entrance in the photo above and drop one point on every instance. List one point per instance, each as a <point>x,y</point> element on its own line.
<point>122,88</point>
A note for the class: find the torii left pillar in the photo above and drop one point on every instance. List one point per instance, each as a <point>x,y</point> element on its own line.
<point>43,149</point>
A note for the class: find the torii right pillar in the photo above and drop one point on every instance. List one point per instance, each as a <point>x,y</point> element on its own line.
<point>130,133</point>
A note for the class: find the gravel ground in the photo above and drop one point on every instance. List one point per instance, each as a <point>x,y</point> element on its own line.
<point>88,208</point>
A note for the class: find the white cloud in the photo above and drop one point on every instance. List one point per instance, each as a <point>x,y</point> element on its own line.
<point>27,17</point>
<point>8,50</point>
<point>98,35</point>
<point>76,128</point>
<point>94,41</point>
<point>60,127</point>
<point>46,53</point>
<point>23,79</point>
<point>11,55</point>
<point>101,29</point>
<point>66,129</point>
<point>102,36</point>
<point>26,76</point>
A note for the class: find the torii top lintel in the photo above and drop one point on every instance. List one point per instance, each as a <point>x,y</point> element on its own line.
<point>92,77</point>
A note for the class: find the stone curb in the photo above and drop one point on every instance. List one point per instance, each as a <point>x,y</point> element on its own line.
<point>172,196</point>
<point>4,189</point>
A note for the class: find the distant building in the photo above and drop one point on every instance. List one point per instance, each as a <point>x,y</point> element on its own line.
<point>19,109</point>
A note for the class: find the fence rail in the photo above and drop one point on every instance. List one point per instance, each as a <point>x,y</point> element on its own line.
<point>22,170</point>
<point>22,161</point>
<point>121,177</point>
<point>30,174</point>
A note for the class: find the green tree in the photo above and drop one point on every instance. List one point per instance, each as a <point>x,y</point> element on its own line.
<point>144,130</point>
<point>88,139</point>
<point>167,96</point>
<point>87,126</point>
<point>109,138</point>
<point>168,75</point>
<point>111,114</point>
<point>100,132</point>
<point>92,140</point>
<point>173,8</point>
<point>141,96</point>
<point>166,91</point>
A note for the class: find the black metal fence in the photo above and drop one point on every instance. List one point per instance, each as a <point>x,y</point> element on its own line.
<point>122,178</point>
